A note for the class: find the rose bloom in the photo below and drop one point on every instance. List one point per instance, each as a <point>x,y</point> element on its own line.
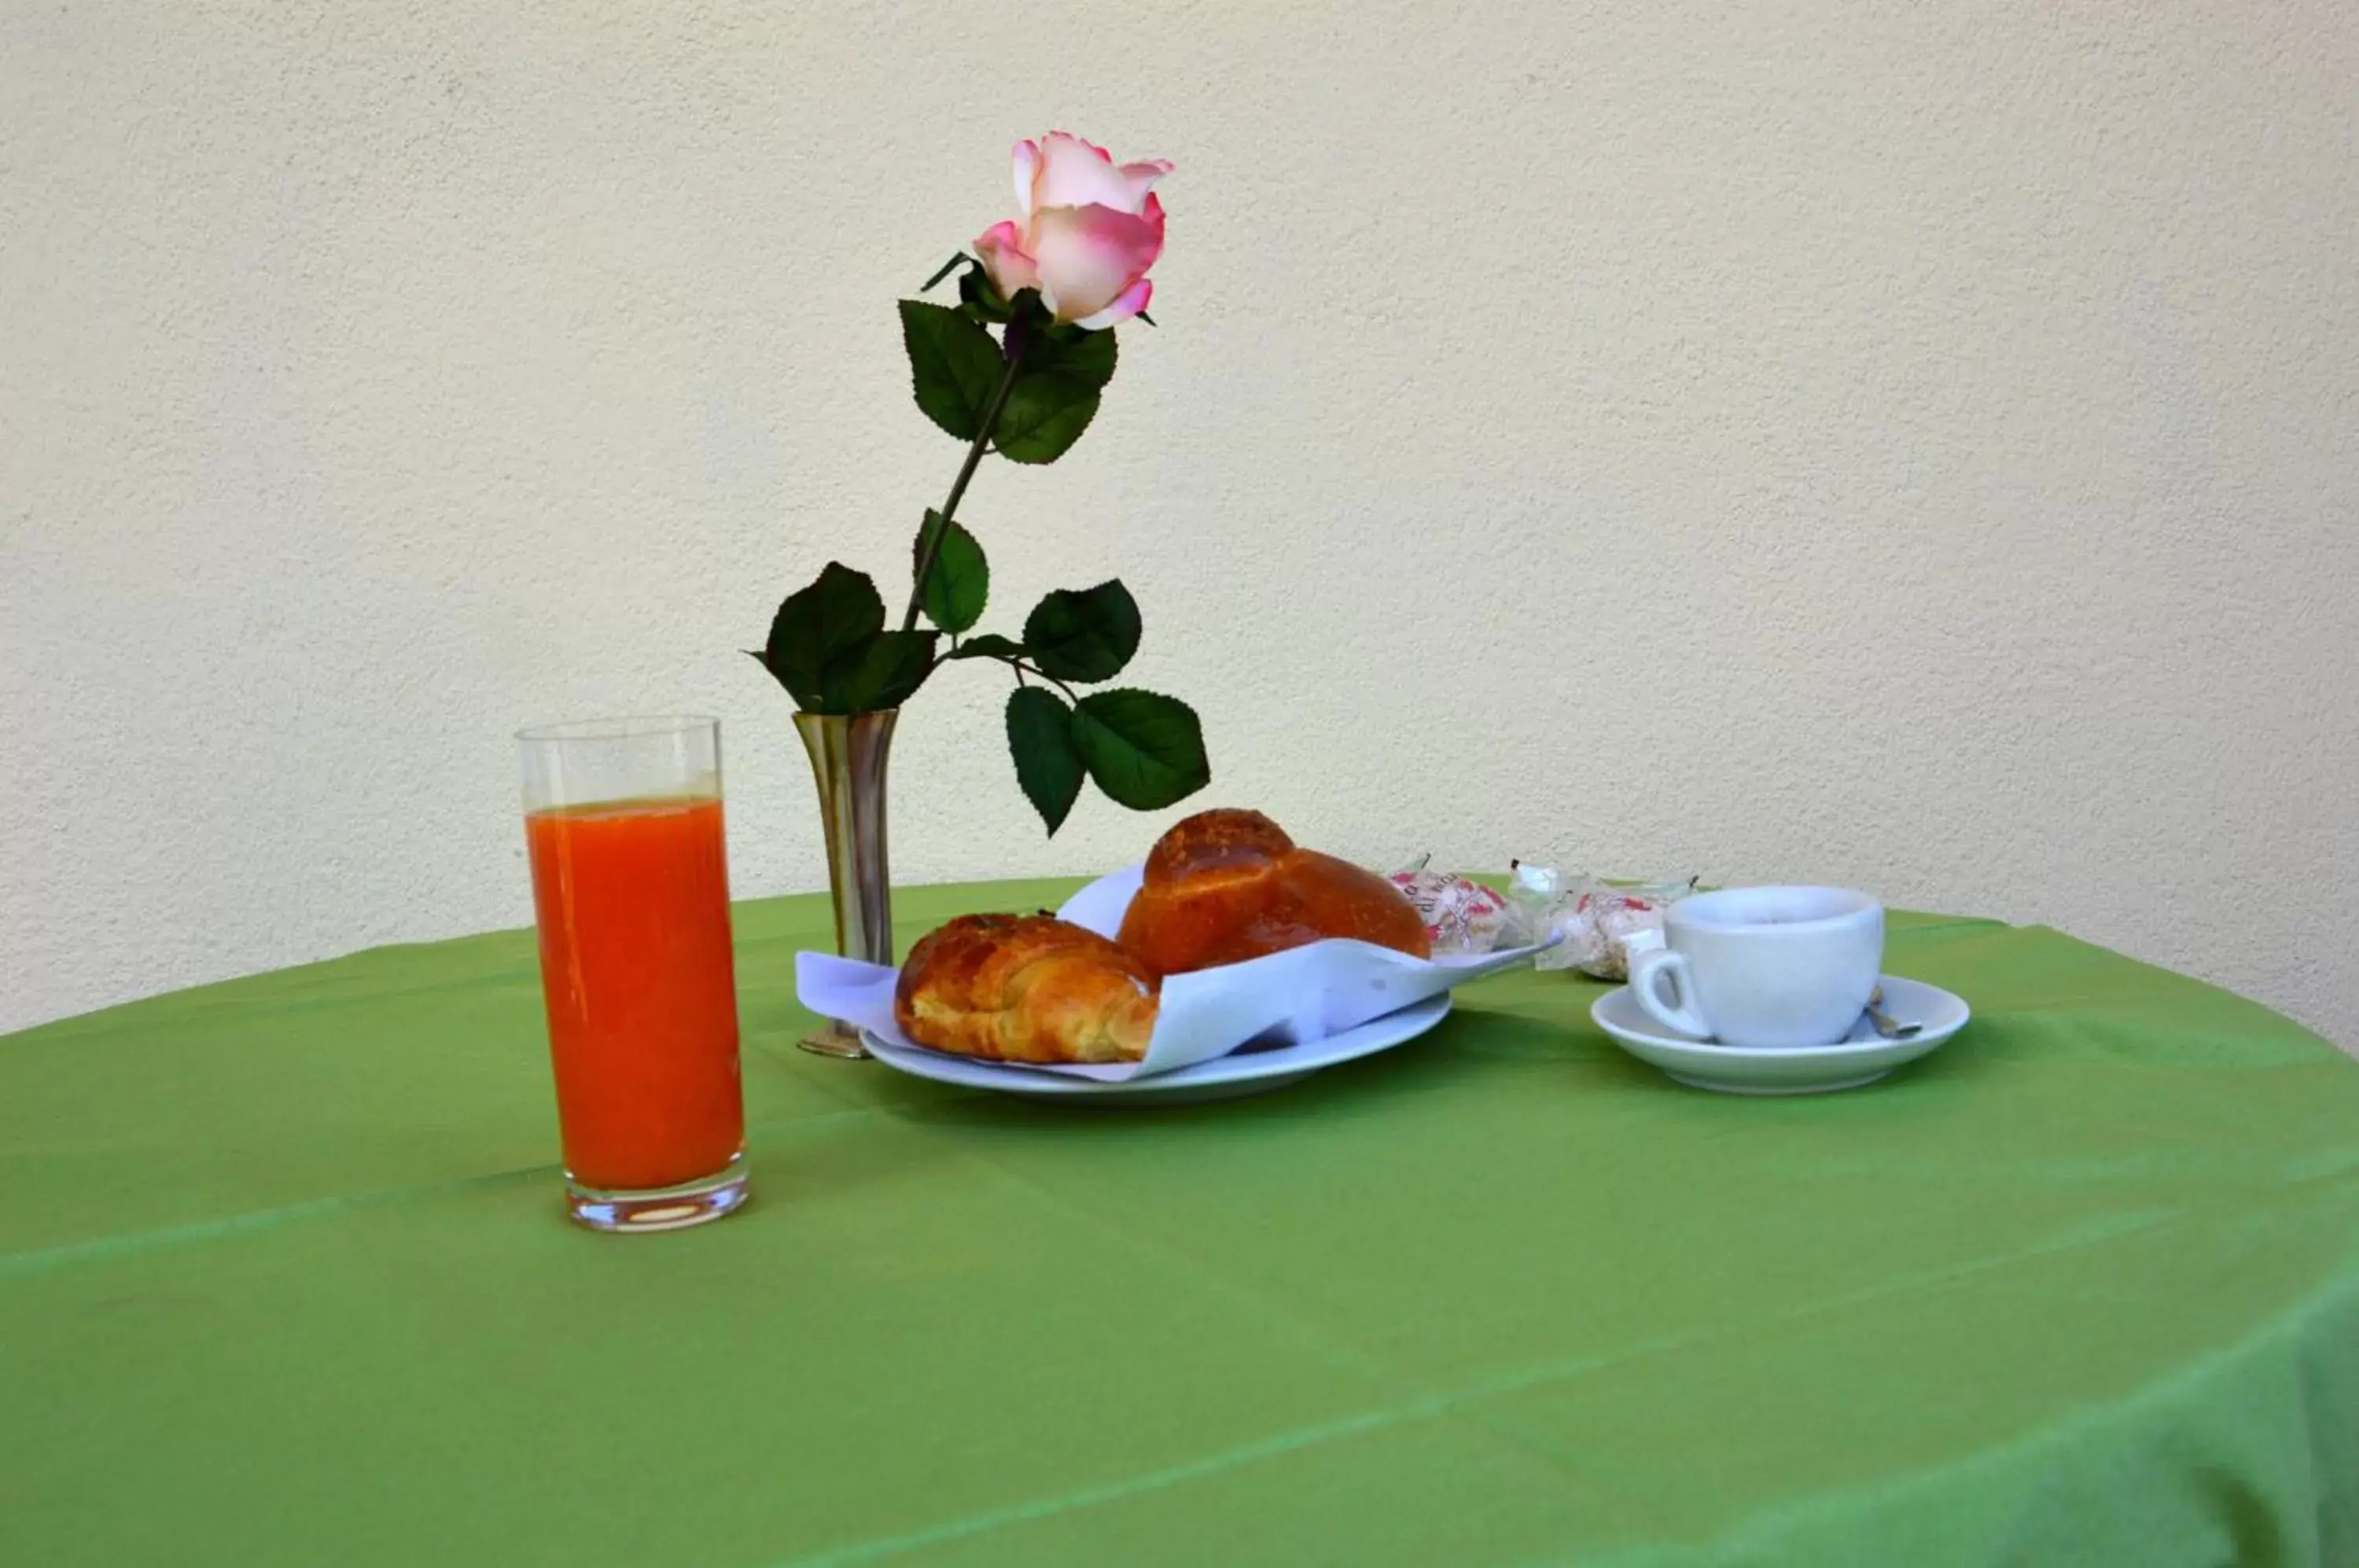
<point>1088,229</point>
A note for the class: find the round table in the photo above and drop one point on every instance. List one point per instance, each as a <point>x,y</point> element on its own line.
<point>283,1278</point>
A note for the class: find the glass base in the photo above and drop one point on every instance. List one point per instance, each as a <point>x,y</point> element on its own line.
<point>836,1039</point>
<point>691,1204</point>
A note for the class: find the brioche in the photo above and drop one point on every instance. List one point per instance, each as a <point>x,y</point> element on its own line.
<point>1226,886</point>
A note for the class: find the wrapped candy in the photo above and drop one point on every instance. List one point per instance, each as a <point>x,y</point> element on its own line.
<point>1594,918</point>
<point>1460,915</point>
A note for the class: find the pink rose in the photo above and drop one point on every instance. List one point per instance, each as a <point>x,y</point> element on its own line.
<point>1088,229</point>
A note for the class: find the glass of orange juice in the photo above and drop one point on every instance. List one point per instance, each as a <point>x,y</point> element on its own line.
<point>630,884</point>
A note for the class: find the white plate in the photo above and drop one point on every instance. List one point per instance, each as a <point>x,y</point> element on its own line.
<point>1248,1071</point>
<point>1861,1057</point>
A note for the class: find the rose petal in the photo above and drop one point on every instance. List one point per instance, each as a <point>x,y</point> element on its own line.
<point>1000,248</point>
<point>1085,141</point>
<point>1127,304</point>
<point>1073,173</point>
<point>1087,256</point>
<point>1141,177</point>
<point>1027,169</point>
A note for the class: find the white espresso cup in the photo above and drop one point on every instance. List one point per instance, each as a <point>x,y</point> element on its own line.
<point>1765,968</point>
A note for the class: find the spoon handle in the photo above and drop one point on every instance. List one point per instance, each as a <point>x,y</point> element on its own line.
<point>1886,1025</point>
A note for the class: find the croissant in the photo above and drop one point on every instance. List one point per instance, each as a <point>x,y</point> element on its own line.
<point>1226,886</point>
<point>1025,988</point>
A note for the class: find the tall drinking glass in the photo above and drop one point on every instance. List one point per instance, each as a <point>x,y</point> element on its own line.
<point>630,883</point>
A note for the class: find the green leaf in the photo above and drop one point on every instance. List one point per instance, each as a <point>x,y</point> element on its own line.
<point>830,650</point>
<point>1144,750</point>
<point>955,365</point>
<point>1084,636</point>
<point>1046,412</point>
<point>990,645</point>
<point>941,272</point>
<point>1084,356</point>
<point>961,581</point>
<point>980,299</point>
<point>1056,395</point>
<point>818,627</point>
<point>883,673</point>
<point>1040,738</point>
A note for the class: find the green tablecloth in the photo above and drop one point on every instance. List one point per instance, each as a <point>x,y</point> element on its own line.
<point>283,1279</point>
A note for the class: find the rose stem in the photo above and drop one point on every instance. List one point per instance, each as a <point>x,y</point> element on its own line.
<point>1013,347</point>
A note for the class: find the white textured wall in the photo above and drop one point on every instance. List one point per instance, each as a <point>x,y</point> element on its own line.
<point>1906,443</point>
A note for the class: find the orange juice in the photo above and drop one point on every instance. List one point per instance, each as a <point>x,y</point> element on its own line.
<point>633,898</point>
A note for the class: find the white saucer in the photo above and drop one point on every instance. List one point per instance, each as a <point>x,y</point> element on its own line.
<point>1861,1057</point>
<point>1248,1071</point>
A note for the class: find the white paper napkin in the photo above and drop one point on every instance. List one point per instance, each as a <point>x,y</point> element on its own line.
<point>1302,994</point>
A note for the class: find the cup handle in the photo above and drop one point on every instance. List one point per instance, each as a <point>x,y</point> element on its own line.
<point>1659,979</point>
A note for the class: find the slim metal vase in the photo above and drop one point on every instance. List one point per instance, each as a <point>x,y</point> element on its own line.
<point>848,756</point>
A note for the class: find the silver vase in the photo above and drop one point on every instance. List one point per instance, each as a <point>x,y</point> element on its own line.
<point>848,756</point>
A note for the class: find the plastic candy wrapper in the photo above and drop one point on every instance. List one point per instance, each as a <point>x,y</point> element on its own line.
<point>1594,917</point>
<point>1461,917</point>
